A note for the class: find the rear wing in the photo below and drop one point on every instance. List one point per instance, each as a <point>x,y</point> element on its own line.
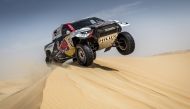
<point>122,24</point>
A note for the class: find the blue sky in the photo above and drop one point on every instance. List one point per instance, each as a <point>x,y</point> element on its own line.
<point>26,26</point>
<point>155,25</point>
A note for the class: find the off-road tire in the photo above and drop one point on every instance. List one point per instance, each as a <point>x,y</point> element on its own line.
<point>84,55</point>
<point>125,43</point>
<point>74,59</point>
<point>94,54</point>
<point>48,58</point>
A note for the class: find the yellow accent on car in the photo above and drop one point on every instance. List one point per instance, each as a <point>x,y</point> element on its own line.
<point>107,41</point>
<point>71,51</point>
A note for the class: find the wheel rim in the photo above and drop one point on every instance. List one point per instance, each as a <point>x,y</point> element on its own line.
<point>81,55</point>
<point>122,44</point>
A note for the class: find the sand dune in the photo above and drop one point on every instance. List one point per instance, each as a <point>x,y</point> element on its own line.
<point>7,88</point>
<point>160,82</point>
<point>21,96</point>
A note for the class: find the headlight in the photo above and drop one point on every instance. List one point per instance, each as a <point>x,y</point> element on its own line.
<point>87,33</point>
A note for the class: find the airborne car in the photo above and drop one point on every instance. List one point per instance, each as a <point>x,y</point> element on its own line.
<point>81,39</point>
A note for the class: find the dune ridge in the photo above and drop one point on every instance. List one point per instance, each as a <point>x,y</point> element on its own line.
<point>22,96</point>
<point>121,82</point>
<point>160,82</point>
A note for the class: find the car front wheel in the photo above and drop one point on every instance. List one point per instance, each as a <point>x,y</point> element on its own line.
<point>84,55</point>
<point>125,43</point>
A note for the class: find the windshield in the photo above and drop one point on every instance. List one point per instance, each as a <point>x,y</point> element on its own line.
<point>86,22</point>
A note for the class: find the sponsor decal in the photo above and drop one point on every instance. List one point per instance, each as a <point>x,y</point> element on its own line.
<point>64,45</point>
<point>70,27</point>
<point>107,38</point>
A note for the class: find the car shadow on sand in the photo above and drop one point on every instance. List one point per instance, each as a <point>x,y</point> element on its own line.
<point>68,64</point>
<point>94,65</point>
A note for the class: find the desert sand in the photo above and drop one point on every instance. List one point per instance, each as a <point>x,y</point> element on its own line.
<point>160,82</point>
<point>156,82</point>
<point>21,94</point>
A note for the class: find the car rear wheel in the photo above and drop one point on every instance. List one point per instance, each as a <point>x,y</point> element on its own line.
<point>94,55</point>
<point>74,59</point>
<point>84,55</point>
<point>125,43</point>
<point>48,57</point>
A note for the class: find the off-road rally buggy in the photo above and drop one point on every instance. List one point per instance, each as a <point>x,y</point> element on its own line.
<point>81,39</point>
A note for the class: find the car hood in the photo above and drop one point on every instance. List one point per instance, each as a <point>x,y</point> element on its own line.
<point>97,25</point>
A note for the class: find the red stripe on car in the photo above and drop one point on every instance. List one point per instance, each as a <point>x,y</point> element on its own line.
<point>70,27</point>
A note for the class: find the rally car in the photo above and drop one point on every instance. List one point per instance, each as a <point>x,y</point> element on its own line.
<point>81,39</point>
